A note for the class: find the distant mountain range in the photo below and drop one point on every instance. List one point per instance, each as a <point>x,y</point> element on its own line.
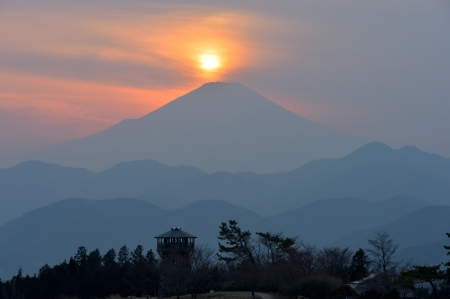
<point>33,184</point>
<point>374,172</point>
<point>217,127</point>
<point>54,232</point>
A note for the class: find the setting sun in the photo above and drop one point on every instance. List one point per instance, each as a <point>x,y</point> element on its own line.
<point>209,62</point>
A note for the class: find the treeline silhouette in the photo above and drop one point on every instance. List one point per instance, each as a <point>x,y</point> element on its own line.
<point>267,262</point>
<point>139,273</point>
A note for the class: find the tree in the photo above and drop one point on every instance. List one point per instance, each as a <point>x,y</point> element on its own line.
<point>383,252</point>
<point>239,244</point>
<point>152,271</point>
<point>448,253</point>
<point>421,274</point>
<point>239,249</point>
<point>276,245</point>
<point>81,256</point>
<point>360,265</point>
<point>81,282</point>
<point>302,262</point>
<point>123,258</point>
<point>94,265</point>
<point>141,273</point>
<point>200,268</point>
<point>109,281</point>
<point>335,261</point>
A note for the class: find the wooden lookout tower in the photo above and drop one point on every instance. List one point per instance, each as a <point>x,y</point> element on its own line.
<point>175,241</point>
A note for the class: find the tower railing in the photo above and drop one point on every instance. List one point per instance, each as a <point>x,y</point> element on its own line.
<point>175,246</point>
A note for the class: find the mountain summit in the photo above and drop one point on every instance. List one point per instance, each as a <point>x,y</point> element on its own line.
<point>217,127</point>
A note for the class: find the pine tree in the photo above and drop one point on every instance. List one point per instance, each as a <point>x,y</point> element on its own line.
<point>110,280</point>
<point>360,265</point>
<point>123,257</point>
<point>238,246</point>
<point>240,249</point>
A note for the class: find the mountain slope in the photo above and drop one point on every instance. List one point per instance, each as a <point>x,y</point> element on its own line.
<point>423,226</point>
<point>322,221</point>
<point>217,127</point>
<point>235,189</point>
<point>427,254</point>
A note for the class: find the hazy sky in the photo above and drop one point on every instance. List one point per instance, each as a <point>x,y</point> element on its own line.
<point>379,69</point>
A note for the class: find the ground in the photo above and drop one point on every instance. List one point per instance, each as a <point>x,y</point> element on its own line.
<point>222,295</point>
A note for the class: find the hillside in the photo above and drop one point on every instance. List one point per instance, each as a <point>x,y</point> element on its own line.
<point>423,226</point>
<point>427,254</point>
<point>322,221</point>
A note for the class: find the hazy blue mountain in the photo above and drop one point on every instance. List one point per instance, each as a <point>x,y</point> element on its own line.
<point>426,225</point>
<point>53,233</point>
<point>33,184</point>
<point>373,172</point>
<point>322,221</point>
<point>232,188</point>
<point>132,179</point>
<point>427,254</point>
<point>217,127</point>
<point>304,172</point>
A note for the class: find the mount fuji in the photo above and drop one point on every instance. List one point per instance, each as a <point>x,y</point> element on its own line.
<point>217,127</point>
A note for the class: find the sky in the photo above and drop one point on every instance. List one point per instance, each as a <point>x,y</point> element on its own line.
<point>378,69</point>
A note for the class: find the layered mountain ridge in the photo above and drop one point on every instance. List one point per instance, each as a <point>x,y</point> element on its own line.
<point>374,172</point>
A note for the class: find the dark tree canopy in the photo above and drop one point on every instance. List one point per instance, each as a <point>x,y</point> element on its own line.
<point>238,246</point>
<point>360,265</point>
<point>421,274</point>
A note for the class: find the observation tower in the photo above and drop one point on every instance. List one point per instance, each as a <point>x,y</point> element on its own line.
<point>175,241</point>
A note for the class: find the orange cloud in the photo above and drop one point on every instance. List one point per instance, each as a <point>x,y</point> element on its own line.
<point>77,107</point>
<point>82,68</point>
<point>83,71</point>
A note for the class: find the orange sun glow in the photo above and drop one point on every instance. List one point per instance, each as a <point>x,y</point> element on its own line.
<point>209,62</point>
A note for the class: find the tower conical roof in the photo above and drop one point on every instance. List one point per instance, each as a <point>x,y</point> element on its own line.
<point>175,232</point>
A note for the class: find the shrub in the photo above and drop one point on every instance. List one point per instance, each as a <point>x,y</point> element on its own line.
<point>315,287</point>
